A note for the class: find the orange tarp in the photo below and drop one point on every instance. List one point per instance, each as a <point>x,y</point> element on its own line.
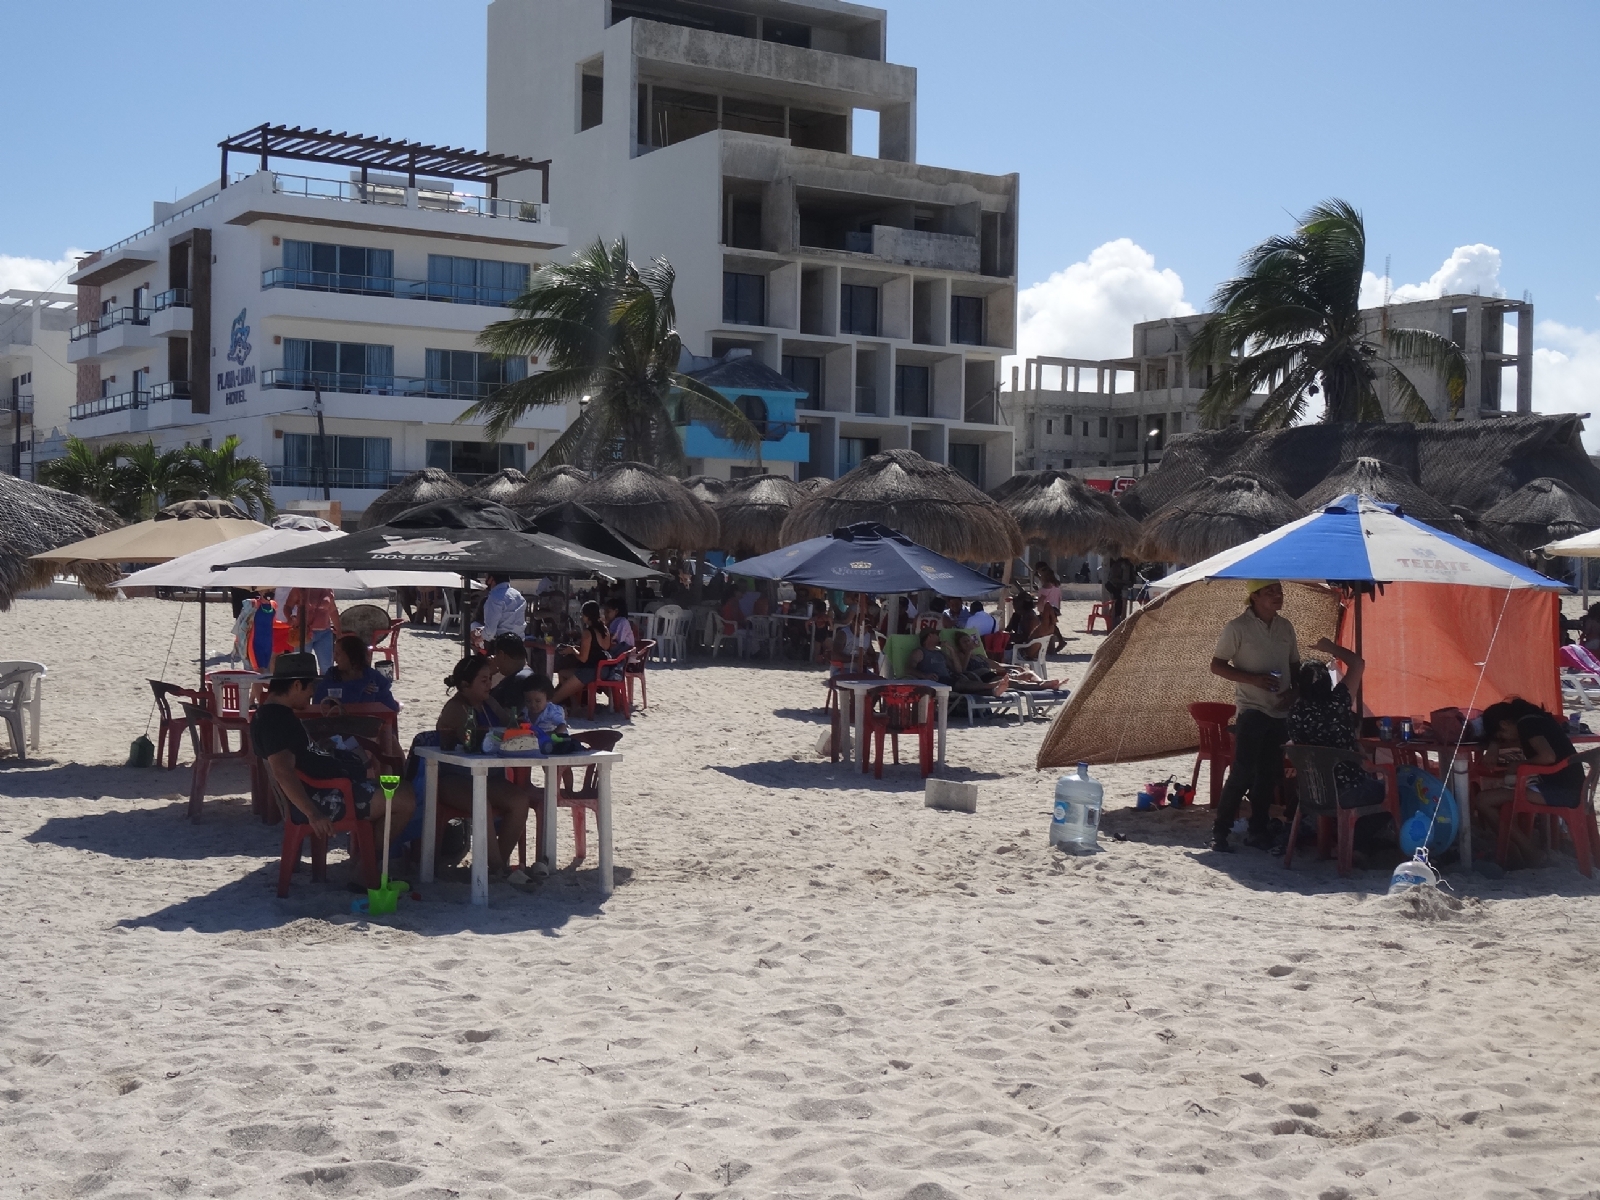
<point>1425,643</point>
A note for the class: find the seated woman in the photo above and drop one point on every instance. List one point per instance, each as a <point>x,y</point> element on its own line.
<point>929,661</point>
<point>352,679</point>
<point>594,645</point>
<point>973,671</point>
<point>1049,604</point>
<point>1517,729</point>
<point>472,680</point>
<point>972,659</point>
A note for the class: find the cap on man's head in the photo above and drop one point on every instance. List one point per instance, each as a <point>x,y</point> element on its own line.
<point>294,666</point>
<point>1252,586</point>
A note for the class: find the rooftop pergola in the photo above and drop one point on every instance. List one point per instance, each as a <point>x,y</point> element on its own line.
<point>383,154</point>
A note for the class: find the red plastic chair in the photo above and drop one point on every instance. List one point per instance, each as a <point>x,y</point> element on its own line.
<point>296,833</point>
<point>1580,821</point>
<point>995,645</point>
<point>389,653</point>
<point>633,672</point>
<point>170,736</point>
<point>1216,744</point>
<point>1317,790</point>
<point>616,689</point>
<point>1100,611</point>
<point>203,741</point>
<point>894,710</point>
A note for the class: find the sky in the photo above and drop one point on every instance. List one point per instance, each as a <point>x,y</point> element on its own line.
<point>1156,141</point>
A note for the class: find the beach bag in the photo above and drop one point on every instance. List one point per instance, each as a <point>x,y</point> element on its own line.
<point>141,752</point>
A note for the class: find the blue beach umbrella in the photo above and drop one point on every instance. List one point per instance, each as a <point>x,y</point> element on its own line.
<point>868,558</point>
<point>1359,540</point>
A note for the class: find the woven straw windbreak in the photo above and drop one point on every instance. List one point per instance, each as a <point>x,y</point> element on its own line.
<point>1134,703</point>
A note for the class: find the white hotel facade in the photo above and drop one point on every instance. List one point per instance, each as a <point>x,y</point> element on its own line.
<point>246,306</point>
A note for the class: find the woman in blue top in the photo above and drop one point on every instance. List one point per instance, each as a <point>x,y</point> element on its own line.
<point>352,679</point>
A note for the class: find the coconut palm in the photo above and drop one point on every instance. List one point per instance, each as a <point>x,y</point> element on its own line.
<point>1290,326</point>
<point>147,476</point>
<point>86,470</point>
<point>221,474</point>
<point>607,331</point>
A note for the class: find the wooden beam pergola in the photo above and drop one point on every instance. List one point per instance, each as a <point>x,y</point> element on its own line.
<point>383,154</point>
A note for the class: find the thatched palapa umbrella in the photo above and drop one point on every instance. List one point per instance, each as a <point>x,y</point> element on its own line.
<point>501,486</point>
<point>1064,516</point>
<point>930,503</point>
<point>752,513</point>
<point>1385,482</point>
<point>651,507</point>
<point>707,487</point>
<point>34,519</point>
<point>815,484</point>
<point>420,487</point>
<point>548,489</point>
<point>1542,511</point>
<point>1216,515</point>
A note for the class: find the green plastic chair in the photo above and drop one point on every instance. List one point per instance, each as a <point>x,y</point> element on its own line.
<point>897,649</point>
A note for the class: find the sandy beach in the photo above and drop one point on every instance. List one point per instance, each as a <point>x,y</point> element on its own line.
<point>805,985</point>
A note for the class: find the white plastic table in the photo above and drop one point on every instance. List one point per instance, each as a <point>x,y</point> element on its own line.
<point>858,689</point>
<point>480,765</point>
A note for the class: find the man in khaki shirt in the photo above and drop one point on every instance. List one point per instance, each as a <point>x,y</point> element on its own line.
<point>1258,652</point>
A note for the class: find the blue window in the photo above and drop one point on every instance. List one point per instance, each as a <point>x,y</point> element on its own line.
<point>475,280</point>
<point>471,374</point>
<point>322,266</point>
<point>348,462</point>
<point>337,366</point>
<point>744,298</point>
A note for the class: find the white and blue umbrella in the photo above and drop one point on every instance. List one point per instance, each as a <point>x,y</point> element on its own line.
<point>1356,540</point>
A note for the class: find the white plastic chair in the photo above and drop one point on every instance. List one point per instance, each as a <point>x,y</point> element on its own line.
<point>671,633</point>
<point>1006,702</point>
<point>1580,689</point>
<point>717,632</point>
<point>1031,654</point>
<point>452,612</point>
<point>22,701</point>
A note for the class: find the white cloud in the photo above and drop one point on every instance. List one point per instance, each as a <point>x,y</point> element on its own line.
<point>1469,269</point>
<point>1566,374</point>
<point>1089,309</point>
<point>38,274</point>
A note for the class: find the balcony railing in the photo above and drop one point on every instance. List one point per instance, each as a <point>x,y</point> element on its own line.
<point>175,389</point>
<point>376,385</point>
<point>385,285</point>
<point>352,192</point>
<point>126,315</point>
<point>84,329</point>
<point>770,431</point>
<point>173,298</point>
<point>357,478</point>
<point>121,402</point>
<point>22,403</point>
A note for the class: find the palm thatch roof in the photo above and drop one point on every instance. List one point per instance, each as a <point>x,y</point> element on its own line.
<point>501,486</point>
<point>708,487</point>
<point>752,513</point>
<point>547,490</point>
<point>1216,515</point>
<point>1386,482</point>
<point>1061,514</point>
<point>1480,534</point>
<point>930,503</point>
<point>816,483</point>
<point>1474,464</point>
<point>1542,511</point>
<point>207,508</point>
<point>651,507</point>
<point>420,487</point>
<point>34,519</point>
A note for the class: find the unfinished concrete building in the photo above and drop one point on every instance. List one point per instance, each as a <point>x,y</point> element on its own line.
<point>723,136</point>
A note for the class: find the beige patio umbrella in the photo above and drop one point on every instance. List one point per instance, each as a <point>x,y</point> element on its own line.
<point>1064,516</point>
<point>930,503</point>
<point>1216,515</point>
<point>175,531</point>
<point>752,513</point>
<point>34,519</point>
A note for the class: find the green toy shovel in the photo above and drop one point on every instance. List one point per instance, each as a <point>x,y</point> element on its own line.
<point>386,895</point>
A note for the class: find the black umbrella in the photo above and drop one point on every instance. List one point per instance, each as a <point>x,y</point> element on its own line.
<point>467,535</point>
<point>572,522</point>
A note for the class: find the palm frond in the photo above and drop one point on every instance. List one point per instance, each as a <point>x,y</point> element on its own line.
<point>1431,350</point>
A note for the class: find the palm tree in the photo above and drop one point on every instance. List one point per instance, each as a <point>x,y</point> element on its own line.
<point>1291,324</point>
<point>147,476</point>
<point>86,470</point>
<point>607,331</point>
<point>221,474</point>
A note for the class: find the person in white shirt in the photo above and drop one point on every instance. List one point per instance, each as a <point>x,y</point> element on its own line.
<point>504,609</point>
<point>621,628</point>
<point>980,622</point>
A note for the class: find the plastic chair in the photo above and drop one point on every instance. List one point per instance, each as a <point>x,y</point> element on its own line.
<point>633,672</point>
<point>170,736</point>
<point>384,645</point>
<point>897,648</point>
<point>203,740</point>
<point>995,645</point>
<point>1216,744</point>
<point>615,689</point>
<point>719,630</point>
<point>892,711</point>
<point>672,633</point>
<point>1580,821</point>
<point>1031,654</point>
<point>1100,611</point>
<point>230,705</point>
<point>297,830</point>
<point>1318,789</point>
<point>1008,701</point>
<point>21,704</point>
<point>452,611</point>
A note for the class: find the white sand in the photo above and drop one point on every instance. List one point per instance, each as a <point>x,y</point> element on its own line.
<point>805,985</point>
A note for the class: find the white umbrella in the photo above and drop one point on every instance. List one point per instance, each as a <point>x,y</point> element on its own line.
<point>1585,545</point>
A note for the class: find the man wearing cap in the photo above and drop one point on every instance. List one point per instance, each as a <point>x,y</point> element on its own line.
<point>1258,653</point>
<point>281,741</point>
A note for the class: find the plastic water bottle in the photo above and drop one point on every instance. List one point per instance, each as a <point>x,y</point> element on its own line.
<point>1075,823</point>
<point>1413,873</point>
